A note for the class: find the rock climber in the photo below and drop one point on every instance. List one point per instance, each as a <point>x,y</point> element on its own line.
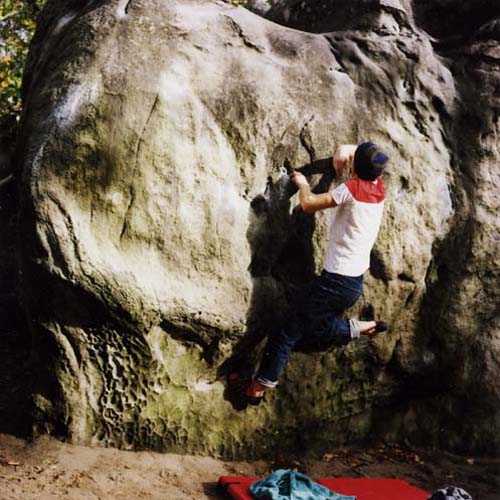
<point>316,316</point>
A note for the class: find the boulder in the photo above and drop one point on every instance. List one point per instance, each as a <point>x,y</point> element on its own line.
<point>160,238</point>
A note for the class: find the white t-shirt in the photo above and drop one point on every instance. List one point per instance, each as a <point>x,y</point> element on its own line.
<point>354,227</point>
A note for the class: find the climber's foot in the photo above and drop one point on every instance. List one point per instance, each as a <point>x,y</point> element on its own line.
<point>372,327</point>
<point>242,385</point>
<point>254,392</point>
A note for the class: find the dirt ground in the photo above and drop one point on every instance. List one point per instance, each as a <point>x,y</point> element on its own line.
<point>48,469</point>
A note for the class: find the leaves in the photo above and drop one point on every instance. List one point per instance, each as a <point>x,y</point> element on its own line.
<point>17,25</point>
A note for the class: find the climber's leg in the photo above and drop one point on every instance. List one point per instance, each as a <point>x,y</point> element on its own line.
<point>278,348</point>
<point>339,331</point>
<point>329,298</point>
<point>318,317</point>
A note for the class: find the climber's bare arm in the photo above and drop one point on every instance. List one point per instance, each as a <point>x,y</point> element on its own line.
<point>343,158</point>
<point>310,202</point>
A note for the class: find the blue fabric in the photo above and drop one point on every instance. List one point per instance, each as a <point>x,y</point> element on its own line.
<point>313,319</point>
<point>290,485</point>
<point>380,159</point>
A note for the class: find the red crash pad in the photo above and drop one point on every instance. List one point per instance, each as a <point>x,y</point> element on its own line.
<point>237,487</point>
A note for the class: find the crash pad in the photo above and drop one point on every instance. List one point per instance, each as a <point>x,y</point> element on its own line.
<point>237,487</point>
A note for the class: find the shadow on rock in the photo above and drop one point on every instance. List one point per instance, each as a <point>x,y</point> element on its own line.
<point>15,340</point>
<point>282,263</point>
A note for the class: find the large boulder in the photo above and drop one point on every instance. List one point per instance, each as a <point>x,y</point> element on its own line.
<point>159,240</point>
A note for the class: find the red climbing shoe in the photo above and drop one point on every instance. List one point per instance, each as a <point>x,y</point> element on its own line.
<point>244,386</point>
<point>254,392</point>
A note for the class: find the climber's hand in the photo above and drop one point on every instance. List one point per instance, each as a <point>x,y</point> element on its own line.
<point>298,179</point>
<point>340,164</point>
<point>343,158</point>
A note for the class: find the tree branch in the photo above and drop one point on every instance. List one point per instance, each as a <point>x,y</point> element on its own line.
<point>9,15</point>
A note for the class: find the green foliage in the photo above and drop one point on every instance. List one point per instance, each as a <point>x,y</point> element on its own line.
<point>17,24</point>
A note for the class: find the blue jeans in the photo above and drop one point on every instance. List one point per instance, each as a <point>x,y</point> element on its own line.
<point>313,318</point>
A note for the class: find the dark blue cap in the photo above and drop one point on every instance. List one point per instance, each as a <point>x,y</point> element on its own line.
<point>369,161</point>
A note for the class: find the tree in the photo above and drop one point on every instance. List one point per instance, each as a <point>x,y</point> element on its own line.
<point>17,25</point>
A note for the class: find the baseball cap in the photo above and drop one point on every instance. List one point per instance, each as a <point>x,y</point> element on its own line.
<point>369,161</point>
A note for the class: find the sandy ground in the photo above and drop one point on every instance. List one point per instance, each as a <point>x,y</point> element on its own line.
<point>49,469</point>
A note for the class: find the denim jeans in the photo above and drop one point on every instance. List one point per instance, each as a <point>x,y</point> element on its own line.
<point>313,318</point>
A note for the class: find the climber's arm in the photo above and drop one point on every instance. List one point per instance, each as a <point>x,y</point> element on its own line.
<point>310,202</point>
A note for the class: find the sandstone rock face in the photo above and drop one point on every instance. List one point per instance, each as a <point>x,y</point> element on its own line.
<point>159,240</point>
